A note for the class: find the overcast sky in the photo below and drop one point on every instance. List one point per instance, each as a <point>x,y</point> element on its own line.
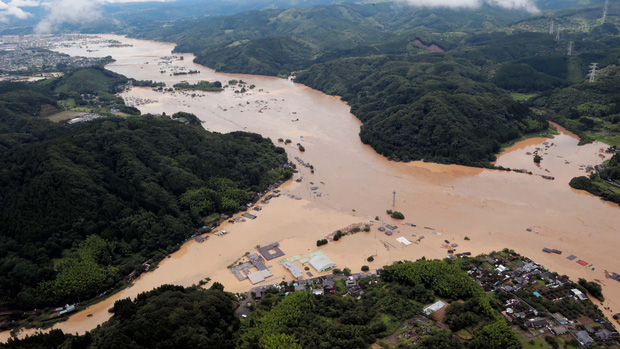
<point>77,11</point>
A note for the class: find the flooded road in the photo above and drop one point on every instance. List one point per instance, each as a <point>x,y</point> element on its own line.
<point>492,208</point>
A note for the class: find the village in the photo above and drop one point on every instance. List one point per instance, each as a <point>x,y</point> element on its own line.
<point>541,305</point>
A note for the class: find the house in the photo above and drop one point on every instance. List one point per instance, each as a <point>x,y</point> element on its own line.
<point>604,335</point>
<point>68,309</point>
<point>559,318</point>
<point>537,323</point>
<point>584,338</point>
<point>546,276</point>
<point>318,291</point>
<point>609,327</point>
<point>350,282</point>
<point>300,288</point>
<point>559,330</point>
<point>328,285</point>
<point>507,288</point>
<point>249,215</point>
<point>528,267</point>
<point>578,294</point>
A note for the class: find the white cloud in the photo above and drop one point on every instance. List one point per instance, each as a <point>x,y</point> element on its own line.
<point>67,11</point>
<point>59,11</point>
<point>13,9</point>
<point>80,11</point>
<point>529,5</point>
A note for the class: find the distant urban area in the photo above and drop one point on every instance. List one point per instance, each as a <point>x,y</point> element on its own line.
<point>33,56</point>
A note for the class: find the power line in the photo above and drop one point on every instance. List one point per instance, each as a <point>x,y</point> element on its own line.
<point>551,27</point>
<point>569,52</point>
<point>593,72</point>
<point>605,12</point>
<point>557,33</point>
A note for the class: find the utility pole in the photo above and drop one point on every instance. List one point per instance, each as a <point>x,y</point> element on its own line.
<point>551,27</point>
<point>394,198</point>
<point>569,52</point>
<point>605,11</point>
<point>557,34</point>
<point>593,72</point>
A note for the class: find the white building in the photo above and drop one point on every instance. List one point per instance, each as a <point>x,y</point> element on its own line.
<point>434,307</point>
<point>578,294</point>
<point>322,263</point>
<point>294,269</point>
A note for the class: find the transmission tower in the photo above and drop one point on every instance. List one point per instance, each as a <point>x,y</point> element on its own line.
<point>394,198</point>
<point>593,72</point>
<point>557,34</point>
<point>569,52</point>
<point>551,27</point>
<point>605,11</point>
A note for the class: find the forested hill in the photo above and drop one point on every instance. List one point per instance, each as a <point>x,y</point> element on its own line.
<point>273,42</point>
<point>84,205</point>
<point>425,107</point>
<point>443,85</point>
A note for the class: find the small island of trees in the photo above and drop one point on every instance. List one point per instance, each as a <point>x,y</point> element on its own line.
<point>395,214</point>
<point>215,86</point>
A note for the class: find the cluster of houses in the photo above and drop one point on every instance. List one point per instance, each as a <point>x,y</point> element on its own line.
<point>517,274</point>
<point>319,285</point>
<point>33,60</point>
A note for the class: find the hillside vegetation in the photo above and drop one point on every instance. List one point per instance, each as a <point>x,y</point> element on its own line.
<point>429,83</point>
<point>85,205</point>
<point>425,107</point>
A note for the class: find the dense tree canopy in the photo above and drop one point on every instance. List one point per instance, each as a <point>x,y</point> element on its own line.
<point>136,187</point>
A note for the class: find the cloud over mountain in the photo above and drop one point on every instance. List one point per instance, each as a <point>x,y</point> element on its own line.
<point>67,11</point>
<point>528,5</point>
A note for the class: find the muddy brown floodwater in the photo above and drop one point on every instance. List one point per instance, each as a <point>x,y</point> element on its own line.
<point>492,208</point>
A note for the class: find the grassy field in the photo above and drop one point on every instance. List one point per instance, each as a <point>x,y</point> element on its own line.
<point>65,115</point>
<point>605,186</point>
<point>535,343</point>
<point>606,137</point>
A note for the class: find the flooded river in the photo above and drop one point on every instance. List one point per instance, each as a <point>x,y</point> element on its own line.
<point>492,208</point>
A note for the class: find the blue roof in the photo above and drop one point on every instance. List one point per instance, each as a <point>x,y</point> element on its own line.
<point>537,294</point>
